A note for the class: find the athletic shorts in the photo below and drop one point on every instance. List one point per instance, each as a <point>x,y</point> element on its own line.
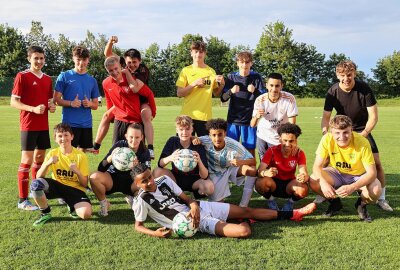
<point>262,147</point>
<point>221,183</point>
<point>372,142</point>
<point>83,137</point>
<point>120,128</point>
<point>341,179</point>
<point>122,182</point>
<point>280,190</point>
<point>143,100</point>
<point>70,195</point>
<point>246,133</point>
<point>31,140</point>
<point>210,214</point>
<point>185,182</point>
<point>199,127</point>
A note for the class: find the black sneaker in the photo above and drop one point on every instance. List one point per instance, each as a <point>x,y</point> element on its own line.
<point>335,205</point>
<point>362,211</point>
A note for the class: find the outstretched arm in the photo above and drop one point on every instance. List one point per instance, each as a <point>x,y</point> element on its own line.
<point>160,232</point>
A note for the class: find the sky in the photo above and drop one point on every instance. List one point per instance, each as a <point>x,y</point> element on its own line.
<point>365,31</point>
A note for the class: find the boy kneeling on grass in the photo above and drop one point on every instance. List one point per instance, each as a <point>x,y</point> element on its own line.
<point>70,170</point>
<point>162,199</point>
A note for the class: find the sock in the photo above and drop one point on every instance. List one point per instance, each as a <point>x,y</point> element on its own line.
<point>319,199</point>
<point>247,191</point>
<point>23,180</point>
<point>284,215</point>
<point>383,195</point>
<point>271,198</point>
<point>35,169</point>
<point>96,146</point>
<point>150,146</point>
<point>293,199</point>
<point>45,211</point>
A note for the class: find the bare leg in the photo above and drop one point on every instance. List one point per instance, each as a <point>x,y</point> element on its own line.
<point>225,229</point>
<point>148,125</point>
<point>104,125</point>
<point>100,183</point>
<point>83,210</point>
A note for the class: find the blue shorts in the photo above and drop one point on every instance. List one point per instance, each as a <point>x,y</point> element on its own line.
<point>246,133</point>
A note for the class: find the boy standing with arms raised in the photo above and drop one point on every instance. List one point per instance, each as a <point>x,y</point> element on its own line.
<point>32,95</point>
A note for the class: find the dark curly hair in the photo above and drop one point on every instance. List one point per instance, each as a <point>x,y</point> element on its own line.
<point>289,128</point>
<point>218,123</point>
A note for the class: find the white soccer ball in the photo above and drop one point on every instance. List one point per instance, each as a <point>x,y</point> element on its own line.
<point>123,158</point>
<point>183,226</point>
<point>186,161</point>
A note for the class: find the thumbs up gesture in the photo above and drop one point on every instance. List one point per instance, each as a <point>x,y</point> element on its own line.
<point>76,103</point>
<point>86,102</point>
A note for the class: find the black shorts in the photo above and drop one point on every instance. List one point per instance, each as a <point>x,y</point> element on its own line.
<point>372,142</point>
<point>83,137</point>
<point>143,100</point>
<point>31,140</point>
<point>185,182</point>
<point>70,195</point>
<point>199,127</point>
<point>280,190</point>
<point>122,182</point>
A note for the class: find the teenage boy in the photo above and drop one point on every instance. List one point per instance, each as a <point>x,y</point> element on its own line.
<point>271,110</point>
<point>351,168</point>
<point>196,180</point>
<point>133,62</point>
<point>196,84</point>
<point>356,100</point>
<point>77,92</point>
<point>70,169</point>
<point>32,95</point>
<point>228,161</point>
<point>277,170</point>
<point>242,88</point>
<point>161,199</point>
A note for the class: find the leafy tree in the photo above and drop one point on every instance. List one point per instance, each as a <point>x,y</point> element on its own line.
<point>218,55</point>
<point>387,74</point>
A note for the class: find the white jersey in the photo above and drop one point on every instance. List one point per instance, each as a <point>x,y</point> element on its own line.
<point>161,205</point>
<point>275,114</point>
<point>219,161</point>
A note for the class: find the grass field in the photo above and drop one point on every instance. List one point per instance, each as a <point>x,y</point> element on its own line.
<point>342,242</point>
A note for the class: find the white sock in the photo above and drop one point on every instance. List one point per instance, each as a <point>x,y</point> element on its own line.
<point>319,199</point>
<point>271,198</point>
<point>383,195</point>
<point>247,191</point>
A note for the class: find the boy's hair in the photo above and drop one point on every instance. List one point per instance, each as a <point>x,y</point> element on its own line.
<point>80,52</point>
<point>289,128</point>
<point>34,49</point>
<point>340,122</point>
<point>215,124</point>
<point>346,66</point>
<point>133,53</point>
<point>244,56</point>
<point>184,121</point>
<point>111,60</point>
<point>198,45</point>
<point>138,169</point>
<point>276,76</point>
<point>63,127</point>
<point>139,127</point>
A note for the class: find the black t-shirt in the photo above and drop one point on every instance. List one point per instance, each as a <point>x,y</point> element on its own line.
<point>353,104</point>
<point>173,144</point>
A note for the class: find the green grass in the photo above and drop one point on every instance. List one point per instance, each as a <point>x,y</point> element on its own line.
<point>342,242</point>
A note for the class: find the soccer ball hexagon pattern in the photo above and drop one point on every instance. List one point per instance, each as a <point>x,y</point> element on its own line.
<point>123,158</point>
<point>183,226</point>
<point>186,161</point>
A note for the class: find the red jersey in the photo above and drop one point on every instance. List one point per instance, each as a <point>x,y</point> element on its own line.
<point>286,166</point>
<point>127,103</point>
<point>33,90</point>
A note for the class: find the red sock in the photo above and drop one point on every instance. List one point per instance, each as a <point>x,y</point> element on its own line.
<point>35,169</point>
<point>23,180</point>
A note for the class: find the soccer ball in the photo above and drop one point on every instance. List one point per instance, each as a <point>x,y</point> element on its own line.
<point>185,162</point>
<point>123,158</point>
<point>183,226</point>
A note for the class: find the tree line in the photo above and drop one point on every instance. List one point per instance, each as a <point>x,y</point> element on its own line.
<point>307,72</point>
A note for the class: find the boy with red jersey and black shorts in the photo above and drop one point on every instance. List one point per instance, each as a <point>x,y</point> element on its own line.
<point>32,95</point>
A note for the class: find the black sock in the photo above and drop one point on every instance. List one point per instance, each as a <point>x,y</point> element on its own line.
<point>46,210</point>
<point>284,215</point>
<point>267,195</point>
<point>150,146</point>
<point>21,200</point>
<point>96,146</point>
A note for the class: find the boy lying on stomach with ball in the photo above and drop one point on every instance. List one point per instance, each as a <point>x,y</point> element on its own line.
<point>162,199</point>
<point>189,171</point>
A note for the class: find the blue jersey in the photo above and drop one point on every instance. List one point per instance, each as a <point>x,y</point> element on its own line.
<point>241,103</point>
<point>70,84</point>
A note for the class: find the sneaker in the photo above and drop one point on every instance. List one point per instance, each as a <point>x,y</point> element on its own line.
<point>362,211</point>
<point>93,151</point>
<point>129,200</point>
<point>335,205</point>
<point>73,213</point>
<point>298,214</point>
<point>384,205</point>
<point>27,205</point>
<point>151,151</point>
<point>104,207</point>
<point>273,205</point>
<point>61,201</point>
<point>42,220</point>
<point>288,206</point>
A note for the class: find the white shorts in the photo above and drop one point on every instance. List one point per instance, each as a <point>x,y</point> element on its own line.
<point>221,183</point>
<point>210,214</point>
<point>341,179</point>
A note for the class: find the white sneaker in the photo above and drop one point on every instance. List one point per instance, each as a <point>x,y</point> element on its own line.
<point>104,207</point>
<point>27,205</point>
<point>151,151</point>
<point>384,204</point>
<point>61,201</point>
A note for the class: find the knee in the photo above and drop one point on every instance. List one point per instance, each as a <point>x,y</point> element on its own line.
<point>37,187</point>
<point>262,186</point>
<point>243,230</point>
<point>86,213</point>
<point>94,178</point>
<point>301,192</point>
